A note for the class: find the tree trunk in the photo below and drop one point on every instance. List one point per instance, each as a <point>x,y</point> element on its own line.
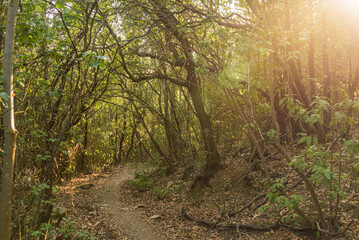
<point>133,135</point>
<point>81,163</point>
<point>311,56</point>
<point>9,124</point>
<point>2,16</point>
<point>354,83</point>
<point>120,139</point>
<point>153,140</point>
<point>192,84</point>
<point>165,115</point>
<point>326,84</point>
<point>210,146</point>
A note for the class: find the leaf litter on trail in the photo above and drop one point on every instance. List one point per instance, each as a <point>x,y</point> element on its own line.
<point>165,214</point>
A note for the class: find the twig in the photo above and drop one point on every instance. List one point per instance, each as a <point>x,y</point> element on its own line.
<point>351,236</point>
<point>247,205</point>
<point>258,205</point>
<point>333,234</point>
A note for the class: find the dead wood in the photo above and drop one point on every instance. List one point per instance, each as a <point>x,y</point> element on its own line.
<point>229,226</point>
<point>248,227</point>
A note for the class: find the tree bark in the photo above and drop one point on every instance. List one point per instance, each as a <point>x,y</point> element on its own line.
<point>311,55</point>
<point>326,84</point>
<point>210,145</point>
<point>354,83</point>
<point>9,124</point>
<point>81,163</point>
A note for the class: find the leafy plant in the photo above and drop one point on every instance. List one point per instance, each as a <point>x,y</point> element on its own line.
<point>66,230</point>
<point>142,181</point>
<point>161,192</point>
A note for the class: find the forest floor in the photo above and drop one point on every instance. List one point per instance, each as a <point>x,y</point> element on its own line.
<point>96,203</point>
<point>109,207</point>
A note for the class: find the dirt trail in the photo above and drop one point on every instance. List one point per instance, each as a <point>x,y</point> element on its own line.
<point>128,220</point>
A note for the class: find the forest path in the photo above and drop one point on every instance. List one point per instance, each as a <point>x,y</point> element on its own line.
<point>126,219</point>
<point>103,205</point>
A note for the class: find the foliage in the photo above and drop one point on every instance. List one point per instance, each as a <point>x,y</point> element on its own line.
<point>98,83</point>
<point>331,169</point>
<point>142,181</point>
<point>160,192</point>
<point>68,229</point>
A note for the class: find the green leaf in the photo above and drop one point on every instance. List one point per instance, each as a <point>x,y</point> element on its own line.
<point>4,96</point>
<point>263,208</point>
<point>308,141</point>
<point>271,134</point>
<point>327,174</point>
<point>356,167</point>
<point>326,182</point>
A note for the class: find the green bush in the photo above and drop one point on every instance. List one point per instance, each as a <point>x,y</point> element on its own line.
<point>161,192</point>
<point>66,230</point>
<point>142,182</point>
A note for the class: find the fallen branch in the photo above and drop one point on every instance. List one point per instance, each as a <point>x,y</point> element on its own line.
<point>229,226</point>
<point>236,226</point>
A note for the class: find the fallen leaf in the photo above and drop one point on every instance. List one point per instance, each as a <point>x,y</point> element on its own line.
<point>155,216</point>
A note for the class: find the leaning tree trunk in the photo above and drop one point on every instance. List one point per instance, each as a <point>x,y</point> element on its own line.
<point>213,158</point>
<point>9,124</point>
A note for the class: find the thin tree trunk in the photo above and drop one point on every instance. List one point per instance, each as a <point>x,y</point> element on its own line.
<point>326,84</point>
<point>81,163</point>
<point>327,80</point>
<point>2,15</point>
<point>9,124</point>
<point>308,184</point>
<point>119,143</point>
<point>153,140</point>
<point>133,134</point>
<point>165,116</point>
<point>354,83</point>
<point>311,55</point>
<point>294,69</point>
<point>194,88</point>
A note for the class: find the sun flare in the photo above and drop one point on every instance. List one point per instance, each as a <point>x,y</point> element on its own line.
<point>348,8</point>
<point>352,5</point>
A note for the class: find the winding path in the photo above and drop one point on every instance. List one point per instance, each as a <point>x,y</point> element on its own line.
<point>126,219</point>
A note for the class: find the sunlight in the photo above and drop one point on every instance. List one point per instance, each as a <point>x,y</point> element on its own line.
<point>351,5</point>
<point>348,8</point>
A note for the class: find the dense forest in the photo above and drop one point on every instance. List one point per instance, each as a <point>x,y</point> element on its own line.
<point>225,94</point>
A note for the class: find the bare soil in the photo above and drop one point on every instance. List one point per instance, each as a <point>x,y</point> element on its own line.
<point>100,210</point>
<point>113,209</point>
